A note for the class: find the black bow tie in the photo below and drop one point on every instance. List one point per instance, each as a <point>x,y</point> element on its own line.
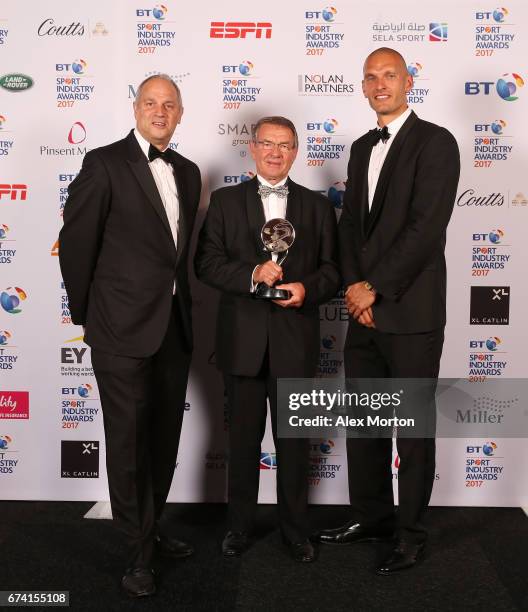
<point>154,153</point>
<point>378,135</point>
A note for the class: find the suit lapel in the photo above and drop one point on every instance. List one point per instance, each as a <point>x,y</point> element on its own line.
<point>183,201</point>
<point>255,215</point>
<point>361,188</point>
<point>294,213</point>
<point>387,170</point>
<point>139,165</point>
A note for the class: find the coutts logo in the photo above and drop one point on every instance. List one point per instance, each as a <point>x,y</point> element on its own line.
<point>468,198</point>
<point>16,82</point>
<point>49,28</point>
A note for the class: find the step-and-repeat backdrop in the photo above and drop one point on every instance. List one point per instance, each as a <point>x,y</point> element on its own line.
<point>68,76</point>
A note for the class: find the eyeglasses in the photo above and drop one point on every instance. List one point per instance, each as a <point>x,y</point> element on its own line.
<point>268,145</point>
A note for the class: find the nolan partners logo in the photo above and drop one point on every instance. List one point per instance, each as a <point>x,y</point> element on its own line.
<point>11,299</point>
<point>16,82</point>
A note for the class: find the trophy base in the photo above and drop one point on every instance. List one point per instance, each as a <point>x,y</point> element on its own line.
<point>264,292</point>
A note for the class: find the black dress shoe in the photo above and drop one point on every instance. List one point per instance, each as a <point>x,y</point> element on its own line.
<point>235,543</point>
<point>173,548</point>
<point>302,552</point>
<point>139,582</point>
<point>403,556</point>
<point>353,532</point>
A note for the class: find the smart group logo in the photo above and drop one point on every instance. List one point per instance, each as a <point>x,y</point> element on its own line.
<point>330,358</point>
<point>153,29</point>
<point>322,31</point>
<point>79,459</point>
<point>323,142</point>
<point>7,246</point>
<point>507,87</point>
<point>14,405</point>
<point>234,179</point>
<point>74,136</point>
<point>418,94</point>
<point>489,253</point>
<point>241,29</point>
<point>8,455</point>
<point>268,461</point>
<point>8,351</point>
<point>79,405</point>
<point>75,359</point>
<point>492,32</point>
<point>238,91</point>
<point>482,465</point>
<point>486,359</point>
<point>321,84</point>
<point>16,81</point>
<point>6,144</point>
<point>438,32</point>
<point>334,310</point>
<point>64,179</point>
<point>238,135</point>
<point>336,193</point>
<point>490,306</point>
<point>402,31</point>
<point>470,198</point>
<point>11,299</point>
<point>324,462</point>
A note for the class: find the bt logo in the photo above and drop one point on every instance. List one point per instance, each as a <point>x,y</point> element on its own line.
<point>329,126</point>
<point>328,14</point>
<point>507,87</point>
<point>158,12</point>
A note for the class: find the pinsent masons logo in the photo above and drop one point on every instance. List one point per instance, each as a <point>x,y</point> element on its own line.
<point>14,404</point>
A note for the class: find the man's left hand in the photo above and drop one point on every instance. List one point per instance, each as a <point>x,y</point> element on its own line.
<point>358,298</point>
<point>296,300</point>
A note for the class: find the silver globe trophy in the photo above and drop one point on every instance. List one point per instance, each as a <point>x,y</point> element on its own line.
<point>277,236</point>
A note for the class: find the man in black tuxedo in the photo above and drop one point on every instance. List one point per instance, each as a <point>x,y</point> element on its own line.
<point>402,180</point>
<point>259,341</point>
<point>123,254</point>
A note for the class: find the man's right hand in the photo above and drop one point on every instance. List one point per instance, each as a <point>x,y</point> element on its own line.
<point>268,273</point>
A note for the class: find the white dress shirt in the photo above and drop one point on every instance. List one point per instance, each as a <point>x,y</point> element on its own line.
<point>379,153</point>
<point>274,208</point>
<point>163,174</point>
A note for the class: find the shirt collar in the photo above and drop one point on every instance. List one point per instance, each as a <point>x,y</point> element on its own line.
<point>267,184</point>
<point>395,125</point>
<point>144,144</point>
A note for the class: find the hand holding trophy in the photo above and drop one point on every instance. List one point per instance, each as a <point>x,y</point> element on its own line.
<point>277,235</point>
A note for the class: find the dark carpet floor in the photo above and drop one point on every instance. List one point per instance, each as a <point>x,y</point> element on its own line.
<point>477,560</point>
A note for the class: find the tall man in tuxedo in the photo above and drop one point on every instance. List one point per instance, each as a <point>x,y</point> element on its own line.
<point>123,253</point>
<point>258,341</point>
<point>402,180</point>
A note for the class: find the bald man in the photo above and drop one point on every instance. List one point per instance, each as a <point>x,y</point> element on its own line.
<point>402,181</point>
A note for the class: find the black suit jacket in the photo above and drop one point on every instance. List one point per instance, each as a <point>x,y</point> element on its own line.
<point>230,247</point>
<point>399,246</point>
<point>117,253</point>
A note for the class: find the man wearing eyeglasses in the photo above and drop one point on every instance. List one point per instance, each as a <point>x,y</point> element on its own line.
<point>259,341</point>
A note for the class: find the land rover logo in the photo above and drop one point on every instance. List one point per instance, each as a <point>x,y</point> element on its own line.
<point>16,82</point>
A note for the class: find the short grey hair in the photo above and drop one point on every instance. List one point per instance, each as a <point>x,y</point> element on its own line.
<point>274,120</point>
<point>163,76</point>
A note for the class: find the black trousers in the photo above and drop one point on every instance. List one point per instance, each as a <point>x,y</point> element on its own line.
<point>247,421</point>
<point>143,402</point>
<point>373,354</point>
